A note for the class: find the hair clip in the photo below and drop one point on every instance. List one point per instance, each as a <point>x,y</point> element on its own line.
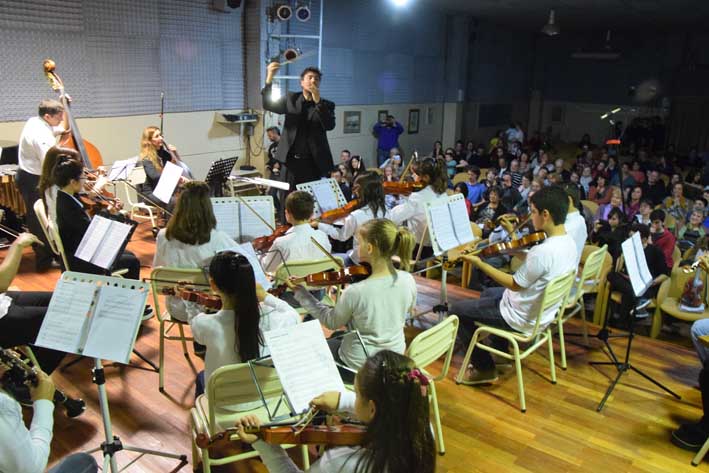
<point>416,374</point>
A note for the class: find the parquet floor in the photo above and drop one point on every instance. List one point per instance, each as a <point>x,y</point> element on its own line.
<point>483,428</point>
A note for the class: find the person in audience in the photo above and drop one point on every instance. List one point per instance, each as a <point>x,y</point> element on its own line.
<point>644,211</point>
<point>431,173</point>
<point>611,232</point>
<point>575,225</point>
<point>345,172</point>
<point>370,194</point>
<point>459,149</point>
<point>462,188</point>
<point>387,134</point>
<point>345,156</point>
<point>559,167</point>
<point>599,191</point>
<point>620,281</point>
<point>501,165</point>
<point>476,189</point>
<point>355,167</point>
<point>395,162</point>
<point>615,202</point>
<point>515,173</point>
<point>391,200</point>
<point>377,306</point>
<point>274,136</point>
<point>524,164</point>
<point>523,207</point>
<point>391,398</point>
<point>542,162</point>
<point>542,175</point>
<point>654,188</point>
<point>470,155</point>
<point>25,450</point>
<point>676,204</point>
<point>296,244</point>
<point>190,239</point>
<point>632,203</point>
<point>510,196</point>
<point>612,171</point>
<point>600,170</point>
<point>47,188</point>
<point>451,163</point>
<point>152,152</point>
<point>692,231</point>
<point>525,186</point>
<point>661,236</point>
<point>437,149</point>
<point>336,174</point>
<point>574,178</point>
<point>487,214</point>
<point>585,181</point>
<point>512,306</point>
<point>234,334</point>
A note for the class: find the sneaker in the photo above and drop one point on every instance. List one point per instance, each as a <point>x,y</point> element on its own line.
<point>690,437</point>
<point>148,313</point>
<point>473,376</point>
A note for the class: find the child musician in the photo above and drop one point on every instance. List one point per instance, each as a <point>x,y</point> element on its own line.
<point>391,399</point>
<point>370,193</point>
<point>512,306</point>
<point>296,245</point>
<point>190,238</point>
<point>432,173</point>
<point>377,306</point>
<point>234,333</point>
<point>47,188</point>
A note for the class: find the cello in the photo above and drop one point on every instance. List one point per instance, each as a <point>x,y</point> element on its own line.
<point>90,155</point>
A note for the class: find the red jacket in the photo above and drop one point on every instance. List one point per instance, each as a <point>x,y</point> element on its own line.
<point>666,242</point>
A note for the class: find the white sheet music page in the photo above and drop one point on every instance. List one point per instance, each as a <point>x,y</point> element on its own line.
<point>115,323</point>
<point>169,178</point>
<point>93,238</point>
<point>67,321</point>
<point>442,227</point>
<point>227,215</point>
<point>324,194</point>
<point>250,225</point>
<point>636,265</point>
<point>248,251</point>
<point>303,362</point>
<point>461,222</point>
<point>112,244</point>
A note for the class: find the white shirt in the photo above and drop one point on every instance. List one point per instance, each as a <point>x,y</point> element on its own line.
<point>575,226</point>
<point>50,199</point>
<point>349,227</point>
<point>554,257</point>
<point>216,331</point>
<point>295,245</point>
<point>22,450</point>
<point>377,307</point>
<point>413,212</point>
<point>176,254</point>
<point>36,139</point>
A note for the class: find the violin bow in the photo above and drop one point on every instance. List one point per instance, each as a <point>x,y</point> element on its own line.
<point>327,253</point>
<point>243,201</point>
<point>406,169</point>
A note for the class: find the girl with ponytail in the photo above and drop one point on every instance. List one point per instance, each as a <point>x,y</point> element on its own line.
<point>432,173</point>
<point>234,333</point>
<point>391,398</point>
<point>378,306</point>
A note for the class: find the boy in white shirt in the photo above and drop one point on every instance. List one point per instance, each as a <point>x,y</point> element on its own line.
<point>296,244</point>
<point>575,224</point>
<point>513,306</point>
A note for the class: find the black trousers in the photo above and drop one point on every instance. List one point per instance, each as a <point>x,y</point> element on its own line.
<point>619,283</point>
<point>21,324</point>
<point>129,261</point>
<point>300,170</point>
<point>27,185</point>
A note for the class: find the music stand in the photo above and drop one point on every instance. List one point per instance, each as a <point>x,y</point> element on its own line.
<point>217,175</point>
<point>641,280</point>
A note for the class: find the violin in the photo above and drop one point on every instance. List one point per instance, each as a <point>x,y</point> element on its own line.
<point>507,247</point>
<point>338,435</point>
<point>264,243</point>
<point>205,299</point>
<point>339,213</point>
<point>402,188</point>
<point>331,277</point>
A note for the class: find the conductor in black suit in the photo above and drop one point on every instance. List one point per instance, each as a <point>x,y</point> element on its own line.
<point>303,147</point>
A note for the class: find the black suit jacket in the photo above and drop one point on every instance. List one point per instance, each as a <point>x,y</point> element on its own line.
<point>320,119</point>
<point>72,222</point>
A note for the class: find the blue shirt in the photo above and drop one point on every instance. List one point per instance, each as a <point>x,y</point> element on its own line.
<point>475,192</point>
<point>388,136</point>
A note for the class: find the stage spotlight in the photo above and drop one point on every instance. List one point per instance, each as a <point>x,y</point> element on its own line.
<point>291,54</point>
<point>302,12</point>
<point>284,12</point>
<point>400,3</point>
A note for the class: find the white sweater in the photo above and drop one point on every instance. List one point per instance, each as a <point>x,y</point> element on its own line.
<point>413,212</point>
<point>350,226</point>
<point>22,450</point>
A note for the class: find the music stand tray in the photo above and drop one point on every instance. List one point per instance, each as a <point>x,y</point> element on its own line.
<point>217,175</point>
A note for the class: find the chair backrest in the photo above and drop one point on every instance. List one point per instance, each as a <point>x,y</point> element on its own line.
<point>44,221</point>
<point>431,344</point>
<point>590,205</point>
<point>554,295</point>
<point>234,384</point>
<point>163,277</point>
<point>676,257</point>
<point>303,268</point>
<point>460,177</point>
<point>54,230</point>
<point>591,271</point>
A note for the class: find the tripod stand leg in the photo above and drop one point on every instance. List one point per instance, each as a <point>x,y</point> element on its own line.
<point>656,383</point>
<point>146,360</point>
<point>610,389</point>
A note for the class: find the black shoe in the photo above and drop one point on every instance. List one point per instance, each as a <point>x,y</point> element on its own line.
<point>690,436</point>
<point>199,349</point>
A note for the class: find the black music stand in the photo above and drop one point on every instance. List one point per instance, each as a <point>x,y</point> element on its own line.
<point>217,175</point>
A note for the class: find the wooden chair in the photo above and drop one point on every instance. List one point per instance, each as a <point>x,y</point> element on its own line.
<point>589,277</point>
<point>162,278</point>
<point>231,393</point>
<point>555,294</point>
<point>669,296</point>
<point>460,177</point>
<point>427,347</point>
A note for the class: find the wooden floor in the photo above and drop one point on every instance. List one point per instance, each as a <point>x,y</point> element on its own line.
<point>483,427</point>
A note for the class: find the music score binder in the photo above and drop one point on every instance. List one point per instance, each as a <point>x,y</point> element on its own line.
<point>448,224</point>
<point>94,316</point>
<point>327,195</point>
<point>104,240</point>
<point>239,222</point>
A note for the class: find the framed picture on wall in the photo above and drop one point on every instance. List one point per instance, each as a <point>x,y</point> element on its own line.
<point>352,122</point>
<point>382,115</point>
<point>413,127</point>
<point>429,116</point>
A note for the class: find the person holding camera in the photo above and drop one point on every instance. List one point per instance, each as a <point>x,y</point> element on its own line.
<point>387,133</point>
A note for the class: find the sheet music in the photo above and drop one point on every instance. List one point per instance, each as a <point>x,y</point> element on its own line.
<point>66,321</point>
<point>115,323</point>
<point>92,238</point>
<point>449,224</point>
<point>303,362</point>
<point>248,251</point>
<point>460,220</point>
<point>442,227</point>
<point>121,169</point>
<point>250,226</point>
<point>636,265</point>
<point>326,197</point>
<point>102,241</point>
<point>227,215</point>
<point>169,178</point>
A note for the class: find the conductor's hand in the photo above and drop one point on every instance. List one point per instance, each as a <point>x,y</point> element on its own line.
<point>315,93</point>
<point>328,401</point>
<point>44,389</point>
<point>26,239</point>
<point>241,425</point>
<point>271,70</point>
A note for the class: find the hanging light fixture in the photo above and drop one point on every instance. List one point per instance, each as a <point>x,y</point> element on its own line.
<point>551,28</point>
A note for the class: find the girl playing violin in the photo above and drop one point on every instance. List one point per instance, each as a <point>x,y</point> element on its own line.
<point>191,237</point>
<point>370,193</point>
<point>47,188</point>
<point>432,173</point>
<point>377,306</point>
<point>391,398</point>
<point>234,334</point>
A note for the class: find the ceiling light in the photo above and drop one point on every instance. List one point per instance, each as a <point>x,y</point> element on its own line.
<point>551,28</point>
<point>302,12</point>
<point>400,3</point>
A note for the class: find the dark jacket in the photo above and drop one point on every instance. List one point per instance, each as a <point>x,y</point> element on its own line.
<point>320,119</point>
<point>72,223</point>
